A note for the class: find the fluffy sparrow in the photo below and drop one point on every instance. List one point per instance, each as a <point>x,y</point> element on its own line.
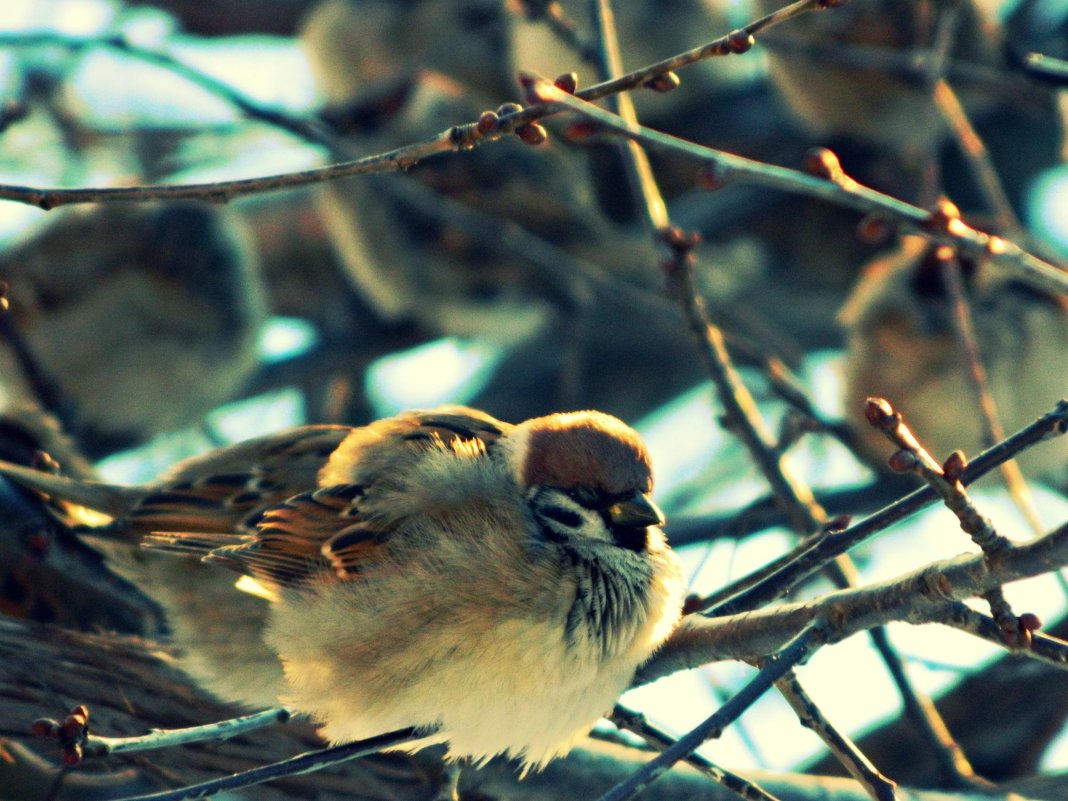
<point>901,345</point>
<point>438,569</point>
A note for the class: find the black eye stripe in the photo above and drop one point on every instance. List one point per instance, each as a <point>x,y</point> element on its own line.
<point>563,516</point>
<point>594,499</point>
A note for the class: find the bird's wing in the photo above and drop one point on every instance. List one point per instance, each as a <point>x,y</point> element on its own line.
<point>332,533</point>
<point>228,490</point>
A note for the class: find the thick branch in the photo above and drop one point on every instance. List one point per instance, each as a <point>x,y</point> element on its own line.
<point>917,597</point>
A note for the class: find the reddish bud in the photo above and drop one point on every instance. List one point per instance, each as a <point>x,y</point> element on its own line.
<point>740,41</point>
<point>72,726</point>
<point>72,755</point>
<point>580,130</point>
<point>823,163</point>
<point>995,245</point>
<point>711,177</point>
<point>902,461</point>
<point>943,215</point>
<point>875,229</point>
<point>568,82</point>
<point>43,461</point>
<point>488,122</point>
<point>665,82</point>
<point>838,523</point>
<point>878,411</point>
<point>1029,621</point>
<point>953,467</point>
<point>528,83</point>
<point>532,133</point>
<point>692,604</point>
<point>45,727</point>
<point>508,108</point>
<point>677,239</point>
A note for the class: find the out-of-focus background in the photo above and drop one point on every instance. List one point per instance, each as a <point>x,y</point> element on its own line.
<point>521,280</point>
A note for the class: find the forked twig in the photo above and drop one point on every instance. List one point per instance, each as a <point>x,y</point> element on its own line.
<point>636,723</point>
<point>810,558</point>
<point>792,654</point>
<point>875,784</point>
<point>304,763</point>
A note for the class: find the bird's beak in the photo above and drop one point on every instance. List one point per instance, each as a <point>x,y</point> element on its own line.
<point>636,511</point>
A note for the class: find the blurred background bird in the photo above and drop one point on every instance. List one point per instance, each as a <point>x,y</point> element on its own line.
<point>861,79</point>
<point>141,318</point>
<point>902,345</point>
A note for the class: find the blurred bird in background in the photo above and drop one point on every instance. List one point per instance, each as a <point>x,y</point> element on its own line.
<point>902,345</point>
<point>142,318</point>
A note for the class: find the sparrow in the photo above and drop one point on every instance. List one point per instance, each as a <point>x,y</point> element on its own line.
<point>869,101</point>
<point>496,585</point>
<point>901,345</point>
<point>104,297</point>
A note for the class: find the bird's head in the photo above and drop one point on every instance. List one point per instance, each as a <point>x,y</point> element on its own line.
<point>586,475</point>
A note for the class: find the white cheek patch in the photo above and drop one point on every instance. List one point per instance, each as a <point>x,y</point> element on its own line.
<point>566,517</point>
<point>515,447</point>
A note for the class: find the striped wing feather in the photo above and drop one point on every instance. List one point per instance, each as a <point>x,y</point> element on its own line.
<point>289,535</point>
<point>228,490</point>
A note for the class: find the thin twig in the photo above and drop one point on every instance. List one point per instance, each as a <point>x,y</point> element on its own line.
<point>728,167</point>
<point>307,129</point>
<point>96,745</point>
<point>305,763</point>
<point>1051,650</point>
<point>875,784</point>
<point>953,765</point>
<point>636,723</point>
<point>796,651</point>
<point>945,480</point>
<point>609,63</point>
<point>463,137</point>
<point>993,430</point>
<point>456,139</point>
<point>978,158</point>
<point>910,64</point>
<point>1046,67</point>
<point>913,457</point>
<point>809,559</point>
<point>551,14</point>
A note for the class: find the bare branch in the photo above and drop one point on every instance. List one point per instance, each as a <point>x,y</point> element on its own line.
<point>916,597</point>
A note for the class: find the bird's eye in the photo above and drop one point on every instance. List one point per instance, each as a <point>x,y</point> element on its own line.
<point>563,516</point>
<point>590,498</point>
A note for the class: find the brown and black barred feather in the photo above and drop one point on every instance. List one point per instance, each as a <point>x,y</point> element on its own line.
<point>227,491</point>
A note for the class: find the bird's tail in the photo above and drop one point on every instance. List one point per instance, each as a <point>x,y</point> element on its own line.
<point>111,499</point>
